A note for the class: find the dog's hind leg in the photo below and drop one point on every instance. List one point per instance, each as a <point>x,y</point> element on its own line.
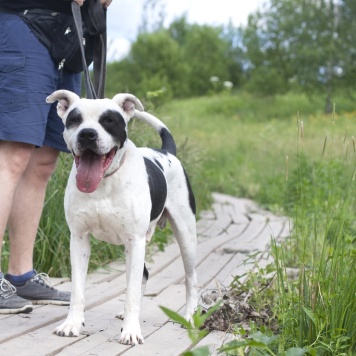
<point>183,224</point>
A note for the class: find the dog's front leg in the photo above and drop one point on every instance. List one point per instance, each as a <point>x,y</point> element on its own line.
<point>79,256</point>
<point>135,256</point>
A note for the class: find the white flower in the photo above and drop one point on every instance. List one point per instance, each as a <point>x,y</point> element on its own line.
<point>214,79</point>
<point>228,85</point>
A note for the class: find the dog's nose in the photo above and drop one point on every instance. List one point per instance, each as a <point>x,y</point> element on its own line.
<point>88,135</point>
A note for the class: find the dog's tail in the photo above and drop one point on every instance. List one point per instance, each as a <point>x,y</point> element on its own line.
<point>168,143</point>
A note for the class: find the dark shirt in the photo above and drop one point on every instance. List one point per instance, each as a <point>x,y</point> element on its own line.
<point>63,6</point>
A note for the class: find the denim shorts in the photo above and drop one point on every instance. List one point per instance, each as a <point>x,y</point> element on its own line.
<point>28,75</point>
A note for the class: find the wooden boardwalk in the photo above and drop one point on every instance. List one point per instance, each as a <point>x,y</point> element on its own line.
<point>227,235</point>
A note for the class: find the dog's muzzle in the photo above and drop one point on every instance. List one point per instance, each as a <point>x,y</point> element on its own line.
<point>91,165</point>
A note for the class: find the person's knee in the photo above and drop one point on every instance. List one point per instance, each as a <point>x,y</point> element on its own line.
<point>43,163</point>
<point>14,158</point>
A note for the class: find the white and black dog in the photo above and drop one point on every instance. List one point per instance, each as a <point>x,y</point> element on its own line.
<point>120,193</point>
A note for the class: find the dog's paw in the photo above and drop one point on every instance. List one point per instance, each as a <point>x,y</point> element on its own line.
<point>69,328</point>
<point>131,336</point>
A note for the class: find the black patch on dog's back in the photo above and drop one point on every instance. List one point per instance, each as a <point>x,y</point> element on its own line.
<point>158,188</point>
<point>115,125</point>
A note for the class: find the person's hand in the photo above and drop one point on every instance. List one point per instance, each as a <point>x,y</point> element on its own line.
<point>105,3</point>
<point>79,2</point>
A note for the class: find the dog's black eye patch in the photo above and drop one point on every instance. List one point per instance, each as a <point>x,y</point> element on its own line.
<point>114,124</point>
<point>74,119</point>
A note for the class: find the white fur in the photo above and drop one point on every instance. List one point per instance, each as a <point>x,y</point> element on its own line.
<point>118,211</point>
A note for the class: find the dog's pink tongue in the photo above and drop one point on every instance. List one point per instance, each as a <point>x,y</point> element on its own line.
<point>89,172</point>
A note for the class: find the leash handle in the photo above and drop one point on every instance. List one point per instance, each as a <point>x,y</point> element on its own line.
<point>89,88</point>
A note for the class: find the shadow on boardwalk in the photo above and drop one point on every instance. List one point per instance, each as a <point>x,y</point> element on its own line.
<point>234,229</point>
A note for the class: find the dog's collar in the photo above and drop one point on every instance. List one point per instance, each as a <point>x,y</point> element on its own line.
<point>113,172</point>
<point>121,163</point>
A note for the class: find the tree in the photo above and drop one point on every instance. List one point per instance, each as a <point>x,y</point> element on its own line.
<point>235,56</point>
<point>307,43</point>
<point>206,53</point>
<point>154,63</point>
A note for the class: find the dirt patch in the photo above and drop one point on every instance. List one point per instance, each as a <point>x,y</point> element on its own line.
<point>236,312</point>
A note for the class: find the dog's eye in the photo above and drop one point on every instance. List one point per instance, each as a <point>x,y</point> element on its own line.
<point>107,120</point>
<point>75,119</point>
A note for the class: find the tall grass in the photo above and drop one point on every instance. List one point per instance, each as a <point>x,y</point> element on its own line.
<point>247,141</point>
<point>318,309</point>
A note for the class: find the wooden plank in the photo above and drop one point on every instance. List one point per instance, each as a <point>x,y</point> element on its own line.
<point>204,224</point>
<point>227,235</point>
<point>207,215</point>
<point>226,274</point>
<point>242,205</point>
<point>161,259</point>
<point>205,271</point>
<point>47,314</point>
<point>236,214</point>
<point>37,342</point>
<point>220,225</point>
<point>96,294</point>
<point>101,327</point>
<point>243,242</point>
<point>174,273</point>
<point>152,319</point>
<point>107,273</point>
<point>20,324</point>
<point>170,340</point>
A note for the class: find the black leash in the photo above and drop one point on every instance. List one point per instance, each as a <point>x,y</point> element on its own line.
<point>99,62</point>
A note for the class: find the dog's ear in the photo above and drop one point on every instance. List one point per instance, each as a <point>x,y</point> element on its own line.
<point>65,99</point>
<point>128,103</point>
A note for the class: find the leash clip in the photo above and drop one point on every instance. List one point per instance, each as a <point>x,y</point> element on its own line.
<point>61,64</point>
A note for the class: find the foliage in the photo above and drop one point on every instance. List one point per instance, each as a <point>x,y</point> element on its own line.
<point>318,309</point>
<point>305,43</point>
<point>194,328</point>
<point>314,186</point>
<point>155,63</point>
<point>207,57</point>
<point>300,45</point>
<point>180,59</point>
<point>262,344</point>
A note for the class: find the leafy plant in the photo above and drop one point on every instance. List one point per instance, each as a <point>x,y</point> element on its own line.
<point>194,327</point>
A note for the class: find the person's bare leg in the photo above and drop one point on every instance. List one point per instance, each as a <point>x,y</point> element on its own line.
<point>14,157</point>
<point>27,208</point>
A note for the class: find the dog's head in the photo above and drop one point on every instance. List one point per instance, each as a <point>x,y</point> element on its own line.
<point>94,131</point>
